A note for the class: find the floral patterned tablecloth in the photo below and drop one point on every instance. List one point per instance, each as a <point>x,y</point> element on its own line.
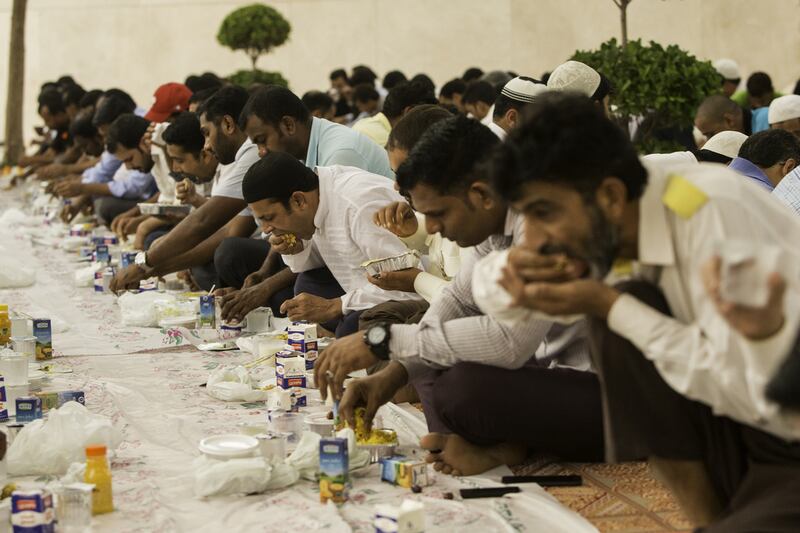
<point>148,381</point>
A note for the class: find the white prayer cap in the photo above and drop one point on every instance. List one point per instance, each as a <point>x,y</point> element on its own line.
<point>784,108</point>
<point>726,143</point>
<point>574,76</point>
<point>728,69</point>
<point>523,89</point>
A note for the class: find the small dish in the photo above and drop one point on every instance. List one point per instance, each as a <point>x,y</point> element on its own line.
<point>229,446</point>
<point>320,424</point>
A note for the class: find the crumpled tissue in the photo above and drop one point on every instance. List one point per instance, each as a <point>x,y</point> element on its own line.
<point>140,309</point>
<point>305,457</point>
<point>493,300</point>
<point>12,275</point>
<point>84,277</point>
<point>232,384</point>
<point>51,446</point>
<point>13,217</point>
<point>240,476</point>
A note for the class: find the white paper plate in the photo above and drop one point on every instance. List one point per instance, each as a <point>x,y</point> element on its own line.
<point>178,322</point>
<point>36,376</point>
<point>228,446</point>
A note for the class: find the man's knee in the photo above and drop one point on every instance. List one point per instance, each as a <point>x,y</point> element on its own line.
<point>225,254</point>
<point>457,391</point>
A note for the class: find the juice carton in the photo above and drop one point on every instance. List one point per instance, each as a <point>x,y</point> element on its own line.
<point>43,332</point>
<point>54,400</point>
<point>32,511</point>
<point>334,475</point>
<point>302,337</point>
<point>102,254</point>
<point>29,408</point>
<point>401,471</point>
<point>126,259</point>
<point>208,312</point>
<point>3,408</point>
<point>409,517</point>
<point>290,375</point>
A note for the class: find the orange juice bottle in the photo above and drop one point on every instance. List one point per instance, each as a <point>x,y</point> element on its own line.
<point>99,474</point>
<point>5,325</point>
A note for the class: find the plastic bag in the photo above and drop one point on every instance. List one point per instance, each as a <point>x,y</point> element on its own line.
<point>140,309</point>
<point>51,446</point>
<point>84,277</point>
<point>305,457</point>
<point>233,385</point>
<point>12,275</point>
<point>234,476</point>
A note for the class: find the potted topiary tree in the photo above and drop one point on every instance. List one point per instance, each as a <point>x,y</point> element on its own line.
<point>658,88</point>
<point>256,29</point>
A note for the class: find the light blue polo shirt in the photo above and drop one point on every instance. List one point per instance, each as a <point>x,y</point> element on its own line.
<point>334,144</point>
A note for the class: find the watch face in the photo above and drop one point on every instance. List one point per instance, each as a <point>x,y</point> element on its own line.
<point>376,335</point>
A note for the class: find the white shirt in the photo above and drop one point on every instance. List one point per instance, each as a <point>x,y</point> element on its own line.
<point>497,130</point>
<point>345,235</point>
<point>442,259</point>
<point>230,179</point>
<point>697,353</point>
<point>161,170</point>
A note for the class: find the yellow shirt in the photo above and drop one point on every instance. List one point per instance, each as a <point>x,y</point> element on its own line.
<point>376,127</point>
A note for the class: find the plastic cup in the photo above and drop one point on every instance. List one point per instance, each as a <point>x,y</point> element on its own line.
<point>15,369</point>
<point>25,345</point>
<point>74,509</point>
<point>258,320</point>
<point>21,327</point>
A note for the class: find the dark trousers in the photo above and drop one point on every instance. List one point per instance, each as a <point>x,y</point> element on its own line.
<point>320,282</point>
<point>754,474</point>
<point>551,410</point>
<point>108,207</point>
<point>238,257</point>
<point>155,234</point>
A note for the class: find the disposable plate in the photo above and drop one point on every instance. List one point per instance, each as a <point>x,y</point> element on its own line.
<point>228,446</point>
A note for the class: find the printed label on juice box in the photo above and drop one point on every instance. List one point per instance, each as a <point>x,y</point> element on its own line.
<point>208,312</point>
<point>334,476</point>
<point>42,330</point>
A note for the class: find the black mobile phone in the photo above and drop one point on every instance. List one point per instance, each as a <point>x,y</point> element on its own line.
<point>546,481</point>
<point>487,492</point>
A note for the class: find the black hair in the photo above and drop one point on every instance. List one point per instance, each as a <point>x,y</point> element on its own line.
<point>317,101</point>
<point>191,82</point>
<point>81,126</point>
<point>503,103</point>
<point>566,139</point>
<point>545,76</point>
<point>119,93</point>
<point>365,93</point>
<point>716,106</point>
<point>65,81</point>
<point>406,94</point>
<point>707,156</point>
<point>202,95</point>
<point>110,108</point>
<point>759,84</point>
<point>409,129</point>
<point>276,176</point>
<point>446,155</point>
<point>126,131</point>
<point>479,91</point>
<point>339,73</point>
<point>425,80</point>
<point>604,88</point>
<point>90,98</point>
<point>48,85</point>
<point>797,87</point>
<point>53,100</point>
<point>769,147</point>
<point>362,74</point>
<point>73,94</point>
<point>454,86</point>
<point>184,131</point>
<point>472,73</point>
<point>228,101</point>
<point>392,78</point>
<point>206,80</point>
<point>273,103</point>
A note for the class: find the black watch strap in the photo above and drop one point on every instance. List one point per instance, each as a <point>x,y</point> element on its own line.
<point>381,350</point>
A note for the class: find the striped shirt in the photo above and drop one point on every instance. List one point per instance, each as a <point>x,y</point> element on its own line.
<point>455,331</point>
<point>345,235</point>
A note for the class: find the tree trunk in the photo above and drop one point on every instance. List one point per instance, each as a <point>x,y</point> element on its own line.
<point>253,59</point>
<point>15,146</point>
<point>623,19</point>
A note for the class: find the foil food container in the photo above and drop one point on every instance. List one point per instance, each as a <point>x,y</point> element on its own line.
<point>410,259</point>
<point>164,209</point>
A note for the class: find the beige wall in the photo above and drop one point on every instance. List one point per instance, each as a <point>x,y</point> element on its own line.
<point>138,44</point>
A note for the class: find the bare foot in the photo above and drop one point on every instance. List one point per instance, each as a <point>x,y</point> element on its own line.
<point>452,454</point>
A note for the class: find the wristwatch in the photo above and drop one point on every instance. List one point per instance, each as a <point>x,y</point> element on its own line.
<point>377,338</point>
<point>141,260</point>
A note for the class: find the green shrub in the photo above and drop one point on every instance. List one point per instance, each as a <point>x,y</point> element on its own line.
<point>662,85</point>
<point>246,78</point>
<point>256,29</point>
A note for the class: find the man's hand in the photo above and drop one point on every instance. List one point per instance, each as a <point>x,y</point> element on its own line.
<point>533,266</point>
<point>128,278</point>
<point>312,308</point>
<point>756,323</point>
<point>144,226</point>
<point>283,244</point>
<point>400,280</point>
<point>186,277</point>
<point>343,356</point>
<point>371,392</point>
<point>69,188</point>
<point>236,304</point>
<point>69,212</point>
<point>52,171</point>
<point>254,279</point>
<point>397,217</point>
<point>186,192</point>
<point>578,297</point>
<point>146,142</point>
